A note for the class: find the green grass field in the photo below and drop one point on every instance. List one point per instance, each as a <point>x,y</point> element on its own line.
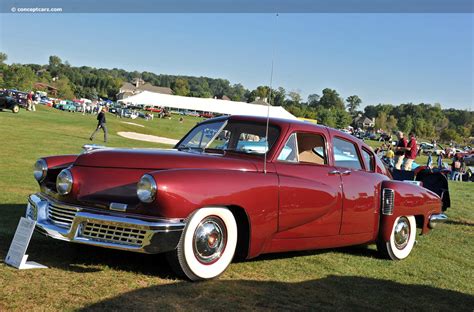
<point>438,275</point>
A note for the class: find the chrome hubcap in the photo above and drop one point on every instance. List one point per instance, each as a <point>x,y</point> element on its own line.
<point>209,240</point>
<point>401,233</point>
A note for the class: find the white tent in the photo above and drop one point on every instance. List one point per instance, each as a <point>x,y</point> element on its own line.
<point>205,105</point>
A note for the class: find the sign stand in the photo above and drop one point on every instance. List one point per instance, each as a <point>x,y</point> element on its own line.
<point>16,254</point>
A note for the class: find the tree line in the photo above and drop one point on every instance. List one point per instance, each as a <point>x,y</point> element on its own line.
<point>328,108</point>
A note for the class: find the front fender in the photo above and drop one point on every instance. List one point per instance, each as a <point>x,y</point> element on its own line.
<point>60,161</point>
<point>409,200</point>
<point>55,165</point>
<point>182,191</point>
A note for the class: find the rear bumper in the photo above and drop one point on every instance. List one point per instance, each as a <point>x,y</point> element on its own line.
<point>437,218</point>
<point>78,225</point>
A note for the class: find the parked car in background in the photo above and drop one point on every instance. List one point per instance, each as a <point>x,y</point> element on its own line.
<point>233,187</point>
<point>469,160</point>
<point>67,105</point>
<point>370,136</point>
<point>206,115</point>
<point>154,109</point>
<point>428,148</point>
<point>46,101</point>
<point>21,97</point>
<point>360,134</point>
<point>128,113</point>
<point>190,113</point>
<point>385,137</point>
<point>9,102</point>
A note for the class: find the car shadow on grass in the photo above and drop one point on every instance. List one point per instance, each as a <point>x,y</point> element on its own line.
<point>76,257</point>
<point>329,293</point>
<point>82,258</point>
<point>460,222</point>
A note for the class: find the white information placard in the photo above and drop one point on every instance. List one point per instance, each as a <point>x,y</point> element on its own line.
<point>16,256</point>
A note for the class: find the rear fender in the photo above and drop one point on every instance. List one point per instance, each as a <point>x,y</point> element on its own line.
<point>408,200</point>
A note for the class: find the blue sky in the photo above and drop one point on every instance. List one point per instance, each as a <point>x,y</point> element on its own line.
<point>383,58</point>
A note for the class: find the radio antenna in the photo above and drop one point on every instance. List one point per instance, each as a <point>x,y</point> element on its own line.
<point>269,104</point>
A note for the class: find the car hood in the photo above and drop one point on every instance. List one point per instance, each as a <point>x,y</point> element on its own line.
<point>156,159</point>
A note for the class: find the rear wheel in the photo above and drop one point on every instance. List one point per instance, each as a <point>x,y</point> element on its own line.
<point>401,240</point>
<point>15,108</point>
<point>207,245</point>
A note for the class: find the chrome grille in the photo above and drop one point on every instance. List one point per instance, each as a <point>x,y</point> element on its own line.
<point>113,234</point>
<point>61,215</point>
<point>387,201</point>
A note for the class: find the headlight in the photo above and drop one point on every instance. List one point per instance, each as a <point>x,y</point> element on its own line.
<point>40,170</point>
<point>64,182</point>
<point>146,189</point>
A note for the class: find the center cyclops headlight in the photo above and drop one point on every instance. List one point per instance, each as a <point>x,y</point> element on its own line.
<point>64,182</point>
<point>40,170</point>
<point>146,189</point>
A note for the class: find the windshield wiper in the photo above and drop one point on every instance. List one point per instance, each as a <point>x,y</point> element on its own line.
<point>214,150</point>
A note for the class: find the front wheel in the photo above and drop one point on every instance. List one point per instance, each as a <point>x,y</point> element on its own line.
<point>207,245</point>
<point>401,240</point>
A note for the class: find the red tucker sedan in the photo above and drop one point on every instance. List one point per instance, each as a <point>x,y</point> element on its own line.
<point>226,191</point>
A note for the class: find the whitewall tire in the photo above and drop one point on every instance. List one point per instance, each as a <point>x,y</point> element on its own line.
<point>402,239</point>
<point>207,245</point>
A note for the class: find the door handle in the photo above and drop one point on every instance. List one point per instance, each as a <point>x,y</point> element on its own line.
<point>334,172</point>
<point>346,172</point>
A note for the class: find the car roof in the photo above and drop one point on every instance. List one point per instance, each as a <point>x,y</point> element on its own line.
<point>281,122</point>
<point>294,125</point>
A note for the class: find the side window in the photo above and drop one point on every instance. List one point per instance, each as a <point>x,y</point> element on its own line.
<point>345,154</point>
<point>290,150</point>
<point>369,160</point>
<point>311,148</point>
<point>304,148</point>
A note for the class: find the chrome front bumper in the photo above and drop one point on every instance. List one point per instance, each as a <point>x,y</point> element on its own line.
<point>78,225</point>
<point>437,218</point>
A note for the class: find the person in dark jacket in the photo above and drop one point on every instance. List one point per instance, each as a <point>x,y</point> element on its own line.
<point>100,125</point>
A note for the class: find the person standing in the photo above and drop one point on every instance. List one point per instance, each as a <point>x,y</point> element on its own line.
<point>410,152</point>
<point>455,168</point>
<point>463,170</point>
<point>33,103</point>
<point>390,156</point>
<point>429,163</point>
<point>100,125</point>
<point>29,100</point>
<point>400,150</point>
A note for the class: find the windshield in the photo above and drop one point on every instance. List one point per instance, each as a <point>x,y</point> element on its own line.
<point>238,136</point>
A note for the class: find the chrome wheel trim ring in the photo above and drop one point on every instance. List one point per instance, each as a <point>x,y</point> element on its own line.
<point>401,233</point>
<point>209,240</point>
